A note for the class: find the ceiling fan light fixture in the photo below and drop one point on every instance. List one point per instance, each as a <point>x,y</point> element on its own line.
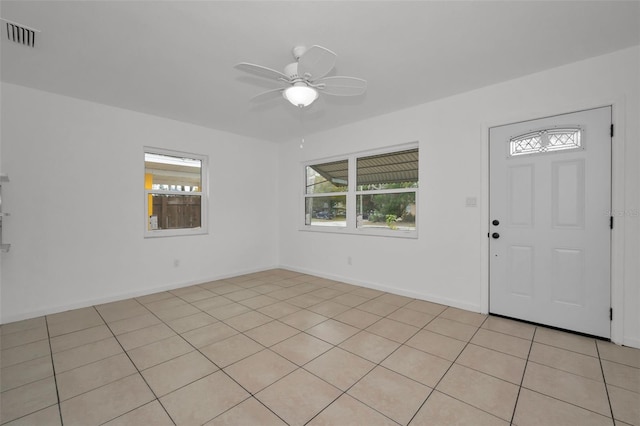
<point>307,77</point>
<point>300,95</point>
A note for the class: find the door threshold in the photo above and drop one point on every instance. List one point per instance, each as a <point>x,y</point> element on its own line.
<point>537,324</point>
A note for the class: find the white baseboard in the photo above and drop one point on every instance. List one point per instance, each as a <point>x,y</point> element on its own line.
<point>382,287</point>
<point>631,342</point>
<point>627,341</point>
<point>126,295</point>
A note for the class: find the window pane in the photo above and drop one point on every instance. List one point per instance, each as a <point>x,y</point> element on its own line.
<point>326,211</point>
<point>387,171</point>
<point>173,211</point>
<point>169,173</point>
<point>395,211</point>
<point>327,177</point>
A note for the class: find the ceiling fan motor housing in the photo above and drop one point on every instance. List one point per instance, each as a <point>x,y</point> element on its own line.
<point>291,71</point>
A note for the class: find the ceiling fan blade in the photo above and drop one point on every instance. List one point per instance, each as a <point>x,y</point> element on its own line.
<point>269,94</point>
<point>317,61</point>
<point>341,86</point>
<point>260,71</point>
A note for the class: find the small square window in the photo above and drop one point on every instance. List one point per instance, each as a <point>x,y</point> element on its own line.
<point>175,195</point>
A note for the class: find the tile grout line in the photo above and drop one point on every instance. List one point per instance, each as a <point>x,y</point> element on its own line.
<point>195,349</point>
<point>174,295</point>
<point>221,370</point>
<point>298,367</point>
<point>345,392</point>
<point>137,370</point>
<point>379,364</point>
<point>18,364</point>
<point>604,379</point>
<point>53,369</point>
<point>161,321</point>
<point>251,395</point>
<point>449,368</point>
<point>524,371</point>
<point>557,398</point>
<point>319,355</point>
<point>564,371</point>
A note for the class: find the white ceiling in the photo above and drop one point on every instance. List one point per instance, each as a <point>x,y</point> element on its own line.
<point>175,58</point>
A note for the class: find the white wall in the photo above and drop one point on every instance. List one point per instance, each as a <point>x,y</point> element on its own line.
<point>76,204</point>
<point>71,162</point>
<point>448,262</point>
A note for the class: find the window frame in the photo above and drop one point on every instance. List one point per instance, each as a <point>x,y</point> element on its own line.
<point>326,194</point>
<point>203,193</point>
<point>352,193</point>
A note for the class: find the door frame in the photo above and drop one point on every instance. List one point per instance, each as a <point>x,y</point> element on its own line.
<point>617,200</point>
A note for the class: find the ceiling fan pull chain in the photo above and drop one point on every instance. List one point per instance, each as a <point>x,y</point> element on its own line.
<point>302,127</point>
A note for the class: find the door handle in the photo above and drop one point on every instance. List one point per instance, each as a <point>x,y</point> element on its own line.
<point>495,235</point>
<point>495,222</point>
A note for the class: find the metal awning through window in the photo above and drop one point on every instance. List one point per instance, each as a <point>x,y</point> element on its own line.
<point>394,167</point>
<point>336,172</point>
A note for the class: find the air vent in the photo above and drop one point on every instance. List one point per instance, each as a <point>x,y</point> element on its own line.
<point>20,34</point>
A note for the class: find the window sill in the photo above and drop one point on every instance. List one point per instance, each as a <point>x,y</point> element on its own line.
<point>160,233</point>
<point>371,232</point>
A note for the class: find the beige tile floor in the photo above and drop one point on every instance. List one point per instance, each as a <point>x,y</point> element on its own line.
<point>278,347</point>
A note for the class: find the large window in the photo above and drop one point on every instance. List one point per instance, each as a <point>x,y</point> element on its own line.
<point>367,193</point>
<point>175,193</point>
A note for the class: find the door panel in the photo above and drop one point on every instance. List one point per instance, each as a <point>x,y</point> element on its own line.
<point>568,194</point>
<point>520,200</point>
<point>567,269</point>
<point>520,270</point>
<point>550,191</point>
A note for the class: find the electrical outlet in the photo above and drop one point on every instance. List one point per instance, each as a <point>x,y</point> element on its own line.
<point>349,260</point>
<point>176,263</point>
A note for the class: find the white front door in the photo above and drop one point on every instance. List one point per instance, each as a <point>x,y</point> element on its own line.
<point>550,198</point>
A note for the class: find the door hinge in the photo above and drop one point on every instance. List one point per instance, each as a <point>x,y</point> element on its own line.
<point>612,130</point>
<point>610,222</point>
<point>610,314</point>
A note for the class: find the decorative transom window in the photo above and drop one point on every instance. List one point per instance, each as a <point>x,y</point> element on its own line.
<point>547,140</point>
<point>367,193</point>
<point>175,193</point>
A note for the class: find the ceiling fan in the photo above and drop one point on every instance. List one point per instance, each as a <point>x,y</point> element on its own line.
<point>307,77</point>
